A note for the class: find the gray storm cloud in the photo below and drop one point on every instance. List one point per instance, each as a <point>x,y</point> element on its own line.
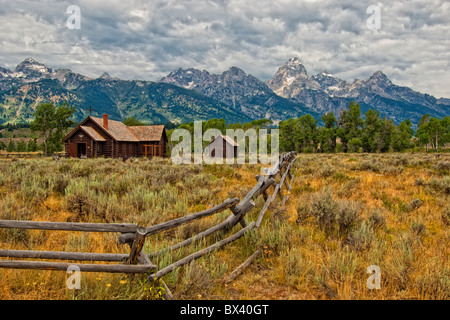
<point>148,39</point>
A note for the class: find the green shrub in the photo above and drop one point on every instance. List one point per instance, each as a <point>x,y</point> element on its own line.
<point>392,170</point>
<point>78,203</point>
<point>298,270</point>
<point>415,204</point>
<point>339,177</point>
<point>434,284</point>
<point>419,181</point>
<point>398,271</point>
<point>376,219</point>
<point>370,165</point>
<point>440,185</point>
<point>329,213</point>
<point>347,188</point>
<point>418,228</point>
<point>325,171</point>
<point>342,265</point>
<point>362,238</point>
<point>347,214</point>
<point>442,168</point>
<point>60,184</point>
<point>303,212</point>
<point>323,208</point>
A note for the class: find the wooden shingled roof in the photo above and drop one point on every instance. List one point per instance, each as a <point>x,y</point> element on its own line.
<point>92,133</point>
<point>118,130</point>
<point>121,132</point>
<point>147,133</point>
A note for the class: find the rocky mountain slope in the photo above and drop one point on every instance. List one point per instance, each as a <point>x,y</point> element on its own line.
<point>242,92</point>
<point>190,94</point>
<point>324,92</point>
<point>32,83</point>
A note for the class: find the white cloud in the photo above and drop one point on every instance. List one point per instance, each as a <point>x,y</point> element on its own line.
<point>148,39</point>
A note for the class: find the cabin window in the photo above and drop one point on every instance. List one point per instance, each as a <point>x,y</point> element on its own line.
<point>151,150</point>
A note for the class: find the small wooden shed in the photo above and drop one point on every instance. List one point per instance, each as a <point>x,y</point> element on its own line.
<point>97,137</point>
<point>227,145</point>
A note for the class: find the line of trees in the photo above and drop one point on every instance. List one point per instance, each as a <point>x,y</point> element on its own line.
<point>352,132</point>
<point>222,126</point>
<point>433,133</point>
<point>11,126</point>
<point>20,146</point>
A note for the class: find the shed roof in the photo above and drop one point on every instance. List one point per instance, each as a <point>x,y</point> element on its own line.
<point>227,139</point>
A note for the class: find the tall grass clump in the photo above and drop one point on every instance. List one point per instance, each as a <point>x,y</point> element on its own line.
<point>328,213</point>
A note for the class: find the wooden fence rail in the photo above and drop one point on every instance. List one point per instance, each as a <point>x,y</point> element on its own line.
<point>25,155</point>
<point>69,226</point>
<point>137,261</point>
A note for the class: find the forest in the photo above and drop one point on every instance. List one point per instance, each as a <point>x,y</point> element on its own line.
<point>349,131</point>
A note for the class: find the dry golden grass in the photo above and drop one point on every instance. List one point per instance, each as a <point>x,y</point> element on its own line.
<point>400,201</point>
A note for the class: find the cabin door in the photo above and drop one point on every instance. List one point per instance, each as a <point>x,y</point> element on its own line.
<point>72,149</point>
<point>81,149</point>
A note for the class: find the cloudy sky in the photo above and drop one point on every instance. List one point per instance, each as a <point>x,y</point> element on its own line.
<point>148,39</point>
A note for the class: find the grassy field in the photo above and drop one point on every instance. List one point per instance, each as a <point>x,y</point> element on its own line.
<point>345,213</point>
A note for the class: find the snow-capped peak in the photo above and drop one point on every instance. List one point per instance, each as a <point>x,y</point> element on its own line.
<point>30,68</point>
<point>326,74</point>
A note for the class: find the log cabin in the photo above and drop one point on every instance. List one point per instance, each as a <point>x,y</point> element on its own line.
<point>102,137</point>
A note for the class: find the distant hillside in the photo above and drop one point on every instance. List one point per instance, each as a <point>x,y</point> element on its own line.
<point>33,83</point>
<point>240,91</point>
<point>189,94</point>
<point>324,92</point>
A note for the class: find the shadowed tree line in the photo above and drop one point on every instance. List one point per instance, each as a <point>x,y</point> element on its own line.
<point>353,132</point>
<point>350,131</point>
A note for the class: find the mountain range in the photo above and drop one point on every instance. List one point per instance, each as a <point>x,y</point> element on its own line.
<point>32,83</point>
<point>190,94</point>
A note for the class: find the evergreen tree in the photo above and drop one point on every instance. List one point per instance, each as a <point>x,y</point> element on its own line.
<point>371,131</point>
<point>350,123</point>
<point>328,133</point>
<point>386,134</point>
<point>306,134</point>
<point>11,146</point>
<point>32,145</point>
<point>402,136</point>
<point>286,130</point>
<point>422,132</point>
<point>132,121</point>
<point>21,146</point>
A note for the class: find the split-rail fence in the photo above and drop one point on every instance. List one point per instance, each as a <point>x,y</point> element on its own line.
<point>137,261</point>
